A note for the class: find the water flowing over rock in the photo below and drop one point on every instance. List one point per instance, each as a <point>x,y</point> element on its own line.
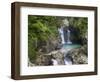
<point>61,32</point>
<point>68,37</point>
<point>59,57</point>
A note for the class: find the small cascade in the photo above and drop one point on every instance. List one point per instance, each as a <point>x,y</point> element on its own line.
<point>54,62</point>
<point>61,32</point>
<point>68,37</point>
<point>67,61</point>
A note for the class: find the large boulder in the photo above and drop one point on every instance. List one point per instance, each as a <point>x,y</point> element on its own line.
<point>58,56</point>
<point>43,60</point>
<point>79,55</point>
<point>50,45</point>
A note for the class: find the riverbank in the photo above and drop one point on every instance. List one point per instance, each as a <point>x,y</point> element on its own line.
<point>64,56</point>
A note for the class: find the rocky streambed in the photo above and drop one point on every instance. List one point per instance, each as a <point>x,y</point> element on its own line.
<point>62,57</point>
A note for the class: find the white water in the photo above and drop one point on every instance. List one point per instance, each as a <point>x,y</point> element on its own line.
<point>66,60</point>
<point>54,62</point>
<point>68,37</point>
<point>62,35</point>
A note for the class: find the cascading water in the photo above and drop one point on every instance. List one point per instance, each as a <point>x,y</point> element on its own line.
<point>54,62</point>
<point>68,37</point>
<point>61,32</point>
<point>67,61</point>
<point>66,43</point>
<point>62,35</point>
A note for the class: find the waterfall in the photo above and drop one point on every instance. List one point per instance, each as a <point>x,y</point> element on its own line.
<point>62,35</point>
<point>68,37</point>
<point>61,31</point>
<point>63,50</point>
<point>67,61</point>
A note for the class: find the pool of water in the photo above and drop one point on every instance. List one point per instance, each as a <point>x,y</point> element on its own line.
<point>71,46</point>
<point>66,48</point>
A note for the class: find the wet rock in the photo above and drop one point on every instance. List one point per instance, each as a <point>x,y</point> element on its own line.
<point>59,57</point>
<point>84,41</point>
<point>79,55</point>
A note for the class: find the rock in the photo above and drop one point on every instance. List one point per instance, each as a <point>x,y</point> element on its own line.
<point>83,41</point>
<point>50,45</point>
<point>80,59</point>
<point>43,60</point>
<point>79,55</point>
<point>58,56</point>
<point>54,61</point>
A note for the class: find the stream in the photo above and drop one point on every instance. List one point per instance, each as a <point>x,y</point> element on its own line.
<point>67,46</point>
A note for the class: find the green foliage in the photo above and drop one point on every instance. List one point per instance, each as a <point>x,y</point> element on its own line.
<point>43,28</point>
<point>80,23</point>
<point>40,29</point>
<point>31,50</point>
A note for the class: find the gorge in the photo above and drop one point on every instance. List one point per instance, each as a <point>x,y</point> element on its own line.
<point>56,40</point>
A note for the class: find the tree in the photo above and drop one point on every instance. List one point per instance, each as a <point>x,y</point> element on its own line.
<point>40,30</point>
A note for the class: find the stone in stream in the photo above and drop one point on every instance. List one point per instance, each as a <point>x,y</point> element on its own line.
<point>78,55</point>
<point>59,57</point>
